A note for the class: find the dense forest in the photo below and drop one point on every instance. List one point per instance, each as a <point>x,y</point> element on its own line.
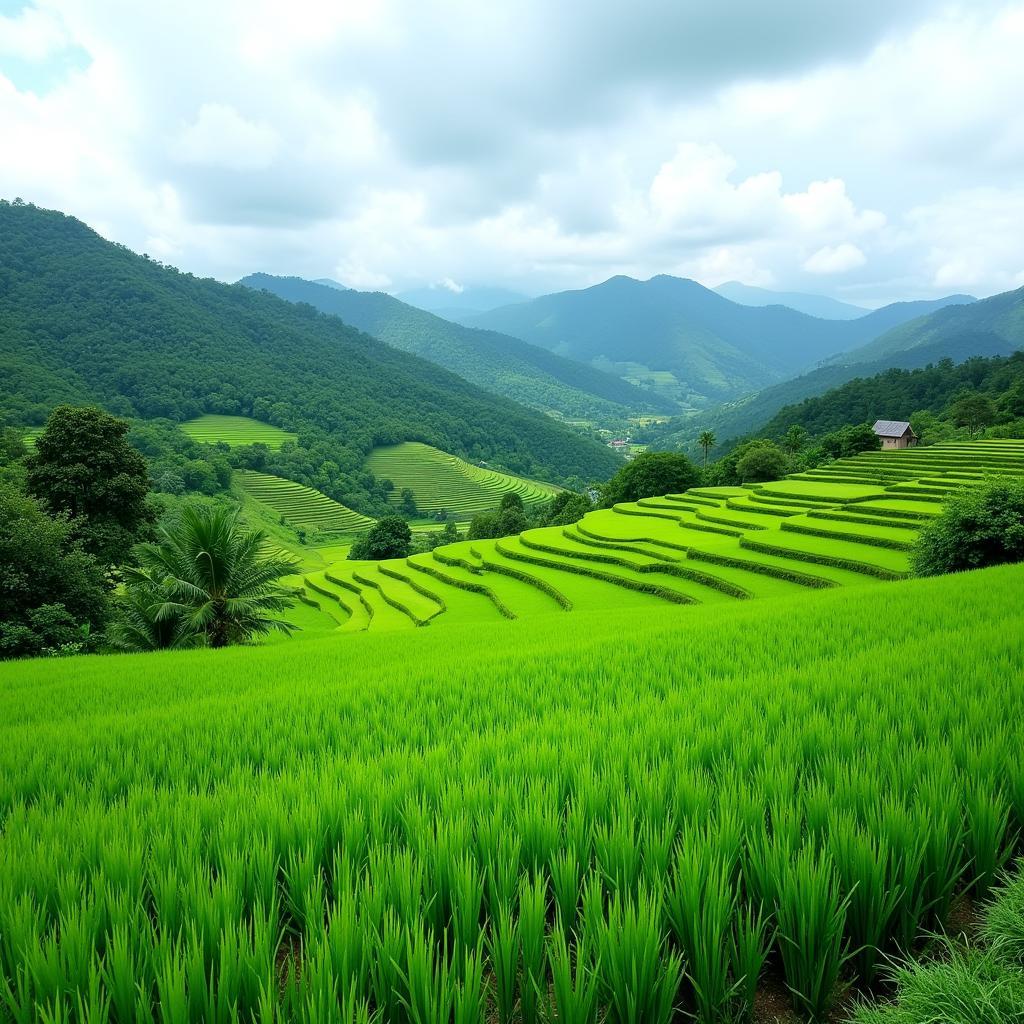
<point>502,364</point>
<point>898,394</point>
<point>85,320</point>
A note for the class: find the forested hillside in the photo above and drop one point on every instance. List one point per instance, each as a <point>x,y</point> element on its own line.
<point>82,319</point>
<point>897,394</point>
<point>988,327</point>
<point>716,350</point>
<point>499,363</point>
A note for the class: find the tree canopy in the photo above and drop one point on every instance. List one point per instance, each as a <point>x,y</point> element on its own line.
<point>389,537</point>
<point>650,474</point>
<point>84,467</point>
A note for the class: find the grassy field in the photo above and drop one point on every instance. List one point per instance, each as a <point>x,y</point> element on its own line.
<point>301,506</point>
<point>444,482</point>
<point>665,810</point>
<point>236,430</point>
<point>812,531</point>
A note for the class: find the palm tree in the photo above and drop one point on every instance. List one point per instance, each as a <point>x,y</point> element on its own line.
<point>138,626</point>
<point>706,440</point>
<point>207,574</point>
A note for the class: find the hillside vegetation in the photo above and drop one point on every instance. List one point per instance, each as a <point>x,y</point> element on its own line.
<point>472,816</point>
<point>499,363</point>
<point>87,320</point>
<point>985,328</point>
<point>897,394</point>
<point>443,483</point>
<point>301,506</point>
<point>712,349</point>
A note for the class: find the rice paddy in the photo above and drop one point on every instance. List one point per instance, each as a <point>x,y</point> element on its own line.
<point>301,506</point>
<point>654,818</point>
<point>812,531</point>
<point>443,482</point>
<point>235,431</point>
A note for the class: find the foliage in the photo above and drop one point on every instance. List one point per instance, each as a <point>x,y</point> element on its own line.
<point>449,534</point>
<point>565,508</point>
<point>973,411</point>
<point>650,473</point>
<point>139,621</point>
<point>980,526</point>
<point>205,576</point>
<point>760,461</point>
<point>300,831</point>
<point>84,468</point>
<point>898,394</point>
<point>177,463</point>
<point>175,346</point>
<point>53,596</point>
<point>389,537</point>
<point>707,441</point>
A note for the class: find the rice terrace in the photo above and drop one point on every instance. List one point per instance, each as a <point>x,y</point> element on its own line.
<point>511,513</point>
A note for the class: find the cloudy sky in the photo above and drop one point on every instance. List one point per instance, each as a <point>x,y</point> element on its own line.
<point>870,150</point>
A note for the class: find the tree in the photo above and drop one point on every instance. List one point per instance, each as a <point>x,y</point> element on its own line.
<point>979,526</point>
<point>795,439</point>
<point>408,502</point>
<point>707,441</point>
<point>483,526</point>
<point>973,411</point>
<point>12,445</point>
<point>850,440</point>
<point>650,474</point>
<point>84,467</point>
<point>207,572</point>
<point>53,595</point>
<point>138,625</point>
<point>511,502</point>
<point>565,508</point>
<point>389,537</point>
<point>761,460</point>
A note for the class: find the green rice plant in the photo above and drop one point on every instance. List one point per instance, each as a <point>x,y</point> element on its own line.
<point>638,976</point>
<point>575,986</point>
<point>749,944</point>
<point>428,982</point>
<point>533,908</point>
<point>863,865</point>
<point>700,903</point>
<point>504,958</point>
<point>811,917</point>
<point>1003,921</point>
<point>988,837</point>
<point>566,869</point>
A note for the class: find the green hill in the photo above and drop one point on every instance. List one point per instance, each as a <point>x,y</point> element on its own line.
<point>713,349</point>
<point>83,319</point>
<point>896,394</point>
<point>442,482</point>
<point>499,363</point>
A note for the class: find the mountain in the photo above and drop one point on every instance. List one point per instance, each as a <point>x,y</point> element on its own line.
<point>328,283</point>
<point>87,320</point>
<point>694,344</point>
<point>986,327</point>
<point>465,301</point>
<point>504,365</point>
<point>822,306</point>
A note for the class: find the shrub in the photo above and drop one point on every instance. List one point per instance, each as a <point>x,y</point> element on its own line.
<point>979,526</point>
<point>389,537</point>
<point>649,475</point>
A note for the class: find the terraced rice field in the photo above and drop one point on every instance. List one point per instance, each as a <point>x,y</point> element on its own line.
<point>236,431</point>
<point>440,481</point>
<point>852,523</point>
<point>301,506</point>
<point>29,435</point>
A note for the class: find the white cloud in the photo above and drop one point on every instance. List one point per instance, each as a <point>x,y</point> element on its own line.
<point>835,259</point>
<point>451,286</point>
<point>221,137</point>
<point>560,145</point>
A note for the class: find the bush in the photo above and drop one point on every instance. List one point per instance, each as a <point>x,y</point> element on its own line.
<point>389,537</point>
<point>979,526</point>
<point>649,475</point>
<point>761,460</point>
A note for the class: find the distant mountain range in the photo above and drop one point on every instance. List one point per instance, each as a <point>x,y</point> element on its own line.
<point>504,365</point>
<point>821,306</point>
<point>986,327</point>
<point>687,341</point>
<point>451,302</point>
